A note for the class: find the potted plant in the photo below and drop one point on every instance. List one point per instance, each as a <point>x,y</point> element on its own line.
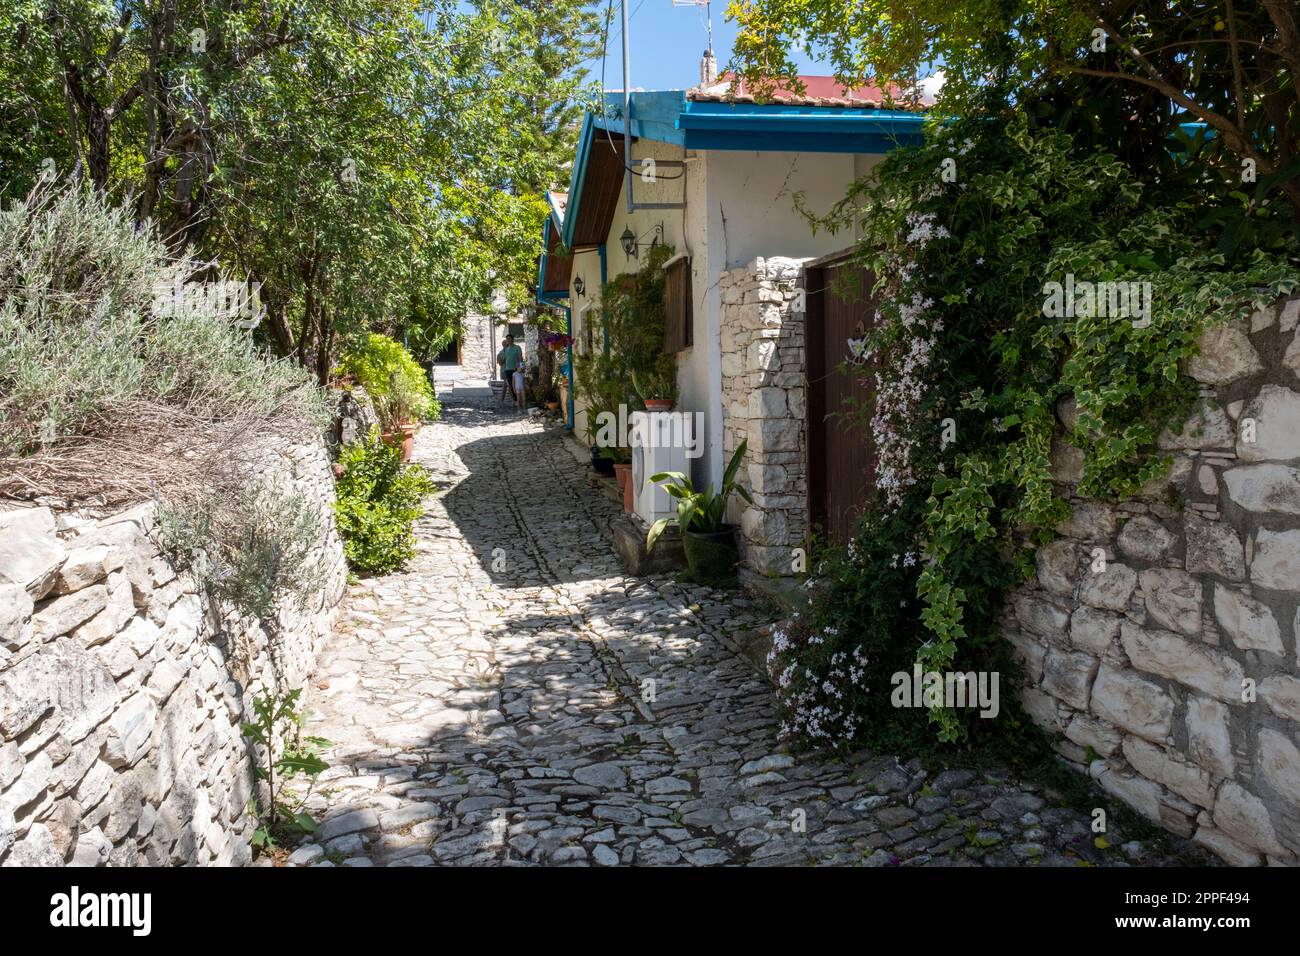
<point>657,390</point>
<point>709,542</point>
<point>400,408</point>
<point>622,459</point>
<point>556,341</point>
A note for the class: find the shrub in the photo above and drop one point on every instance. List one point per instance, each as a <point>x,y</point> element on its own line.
<point>393,377</point>
<point>378,502</point>
<point>107,397</point>
<point>258,549</point>
<point>962,341</point>
<point>85,361</point>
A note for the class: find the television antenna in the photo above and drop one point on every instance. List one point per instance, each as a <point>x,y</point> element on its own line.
<point>708,15</point>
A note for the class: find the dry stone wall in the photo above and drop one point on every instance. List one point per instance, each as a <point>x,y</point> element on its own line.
<point>122,687</point>
<point>763,391</point>
<point>1159,637</point>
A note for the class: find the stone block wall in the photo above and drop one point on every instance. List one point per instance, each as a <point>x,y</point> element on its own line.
<point>122,687</point>
<point>1160,635</point>
<point>763,391</point>
<point>477,358</point>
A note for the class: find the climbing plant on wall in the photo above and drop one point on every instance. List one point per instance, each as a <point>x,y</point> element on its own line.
<point>971,366</point>
<point>632,316</point>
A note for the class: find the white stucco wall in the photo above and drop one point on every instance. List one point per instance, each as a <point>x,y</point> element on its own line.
<point>738,205</point>
<point>749,200</point>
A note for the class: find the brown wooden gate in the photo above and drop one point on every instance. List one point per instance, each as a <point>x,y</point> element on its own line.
<point>841,456</point>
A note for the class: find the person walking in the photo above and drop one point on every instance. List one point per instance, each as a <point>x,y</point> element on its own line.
<point>511,361</point>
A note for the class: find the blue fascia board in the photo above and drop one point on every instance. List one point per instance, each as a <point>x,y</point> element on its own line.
<point>669,117</point>
<point>847,142</point>
<point>576,179</point>
<point>541,259</point>
<point>819,129</point>
<point>702,114</point>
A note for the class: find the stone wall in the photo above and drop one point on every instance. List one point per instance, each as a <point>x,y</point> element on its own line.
<point>763,403</point>
<point>122,687</point>
<point>477,358</point>
<point>1160,635</point>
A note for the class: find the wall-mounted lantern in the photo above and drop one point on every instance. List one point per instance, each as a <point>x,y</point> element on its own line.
<point>632,244</point>
<point>579,286</point>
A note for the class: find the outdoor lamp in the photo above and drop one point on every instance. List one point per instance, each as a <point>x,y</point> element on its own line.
<point>628,239</point>
<point>579,286</point>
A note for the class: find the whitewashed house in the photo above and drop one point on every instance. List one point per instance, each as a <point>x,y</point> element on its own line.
<point>715,174</point>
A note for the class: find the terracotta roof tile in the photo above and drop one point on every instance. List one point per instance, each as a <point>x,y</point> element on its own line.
<point>818,91</point>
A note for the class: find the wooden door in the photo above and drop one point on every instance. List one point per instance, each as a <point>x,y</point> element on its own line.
<point>841,457</point>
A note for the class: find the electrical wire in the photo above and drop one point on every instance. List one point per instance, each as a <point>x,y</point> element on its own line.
<point>604,115</point>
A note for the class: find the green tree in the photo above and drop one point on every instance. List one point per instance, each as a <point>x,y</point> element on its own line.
<point>1230,64</point>
<point>375,164</point>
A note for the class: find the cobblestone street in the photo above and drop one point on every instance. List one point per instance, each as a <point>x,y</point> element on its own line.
<point>486,707</point>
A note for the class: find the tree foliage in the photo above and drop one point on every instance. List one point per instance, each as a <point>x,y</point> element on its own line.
<point>375,164</point>
<point>1140,66</point>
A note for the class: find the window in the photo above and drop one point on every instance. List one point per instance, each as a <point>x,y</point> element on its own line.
<point>450,354</point>
<point>678,332</point>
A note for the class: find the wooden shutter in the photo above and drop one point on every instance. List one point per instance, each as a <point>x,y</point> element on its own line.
<point>678,333</point>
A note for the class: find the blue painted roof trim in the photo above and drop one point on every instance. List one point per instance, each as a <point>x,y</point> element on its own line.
<point>544,298</point>
<point>576,179</point>
<point>667,116</point>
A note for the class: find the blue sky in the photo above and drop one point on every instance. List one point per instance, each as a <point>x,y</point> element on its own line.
<point>667,43</point>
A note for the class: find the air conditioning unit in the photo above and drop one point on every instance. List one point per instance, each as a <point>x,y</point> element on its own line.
<point>659,441</point>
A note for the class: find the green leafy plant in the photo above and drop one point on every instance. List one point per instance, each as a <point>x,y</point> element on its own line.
<point>377,504</point>
<point>393,378</point>
<point>632,314</point>
<point>288,755</point>
<point>657,384</point>
<point>704,512</point>
<point>962,334</point>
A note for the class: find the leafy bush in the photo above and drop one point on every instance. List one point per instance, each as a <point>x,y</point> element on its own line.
<point>962,337</point>
<point>84,357</point>
<point>378,502</point>
<point>394,379</point>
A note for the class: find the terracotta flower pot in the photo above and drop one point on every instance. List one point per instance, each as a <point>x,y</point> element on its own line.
<point>659,404</point>
<point>552,405</point>
<point>407,432</point>
<point>623,472</point>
